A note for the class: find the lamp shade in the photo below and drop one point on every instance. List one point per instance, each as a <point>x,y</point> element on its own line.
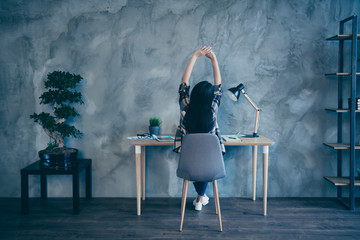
<point>234,93</point>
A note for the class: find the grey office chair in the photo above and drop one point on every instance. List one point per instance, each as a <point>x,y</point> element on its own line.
<point>200,161</point>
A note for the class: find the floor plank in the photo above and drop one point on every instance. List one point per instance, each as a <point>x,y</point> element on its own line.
<point>115,218</point>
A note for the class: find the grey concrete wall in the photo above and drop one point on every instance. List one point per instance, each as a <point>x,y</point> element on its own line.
<point>132,55</point>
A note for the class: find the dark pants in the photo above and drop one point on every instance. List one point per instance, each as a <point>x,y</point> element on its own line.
<point>200,187</point>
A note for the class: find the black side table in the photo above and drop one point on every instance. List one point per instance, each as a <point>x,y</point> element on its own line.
<point>34,169</point>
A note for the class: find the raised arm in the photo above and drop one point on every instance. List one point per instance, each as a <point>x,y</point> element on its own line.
<point>215,66</point>
<point>188,70</point>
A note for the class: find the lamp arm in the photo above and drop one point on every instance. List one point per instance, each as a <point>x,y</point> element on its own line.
<point>257,112</point>
<point>249,100</point>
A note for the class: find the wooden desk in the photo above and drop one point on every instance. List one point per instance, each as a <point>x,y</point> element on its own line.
<point>254,142</point>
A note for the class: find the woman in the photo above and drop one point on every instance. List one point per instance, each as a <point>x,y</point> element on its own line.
<point>199,115</point>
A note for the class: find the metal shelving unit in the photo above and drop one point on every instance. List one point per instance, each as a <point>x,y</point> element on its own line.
<point>341,181</point>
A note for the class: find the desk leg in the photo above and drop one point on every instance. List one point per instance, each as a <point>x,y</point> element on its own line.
<point>143,171</point>
<point>24,193</point>
<point>88,177</point>
<point>43,186</point>
<point>76,196</point>
<point>254,162</point>
<point>138,178</point>
<point>265,176</point>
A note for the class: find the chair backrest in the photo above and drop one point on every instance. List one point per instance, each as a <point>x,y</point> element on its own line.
<point>201,158</point>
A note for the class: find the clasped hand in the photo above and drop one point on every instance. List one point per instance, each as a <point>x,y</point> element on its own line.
<point>205,51</point>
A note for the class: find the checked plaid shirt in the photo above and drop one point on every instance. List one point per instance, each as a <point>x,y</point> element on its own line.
<point>184,104</point>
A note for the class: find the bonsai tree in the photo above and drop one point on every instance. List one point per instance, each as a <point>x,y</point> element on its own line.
<point>60,95</point>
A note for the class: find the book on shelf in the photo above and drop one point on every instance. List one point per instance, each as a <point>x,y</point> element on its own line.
<point>357,103</point>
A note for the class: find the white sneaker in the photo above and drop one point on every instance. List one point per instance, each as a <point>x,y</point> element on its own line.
<point>204,201</point>
<point>198,205</point>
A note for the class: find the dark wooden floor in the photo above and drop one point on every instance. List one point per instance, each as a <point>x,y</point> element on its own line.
<point>115,218</point>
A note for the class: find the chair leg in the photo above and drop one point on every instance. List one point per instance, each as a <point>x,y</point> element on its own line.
<point>215,199</point>
<point>217,204</point>
<point>183,202</point>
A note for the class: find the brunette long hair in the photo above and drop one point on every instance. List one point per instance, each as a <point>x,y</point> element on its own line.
<point>199,118</point>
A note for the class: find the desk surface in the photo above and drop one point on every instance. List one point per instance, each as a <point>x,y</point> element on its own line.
<point>244,141</point>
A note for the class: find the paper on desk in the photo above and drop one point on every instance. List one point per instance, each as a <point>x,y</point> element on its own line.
<point>139,138</point>
<point>229,138</point>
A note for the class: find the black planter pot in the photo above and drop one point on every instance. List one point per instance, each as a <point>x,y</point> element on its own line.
<point>59,158</point>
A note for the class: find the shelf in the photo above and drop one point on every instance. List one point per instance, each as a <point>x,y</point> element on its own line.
<point>340,110</point>
<point>343,77</point>
<point>342,37</point>
<point>340,146</point>
<point>341,181</point>
<point>341,74</point>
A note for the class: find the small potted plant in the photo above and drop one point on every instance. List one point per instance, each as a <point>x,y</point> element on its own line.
<point>154,127</point>
<point>60,95</point>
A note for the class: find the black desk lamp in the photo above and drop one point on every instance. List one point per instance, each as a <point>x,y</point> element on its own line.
<point>234,94</point>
